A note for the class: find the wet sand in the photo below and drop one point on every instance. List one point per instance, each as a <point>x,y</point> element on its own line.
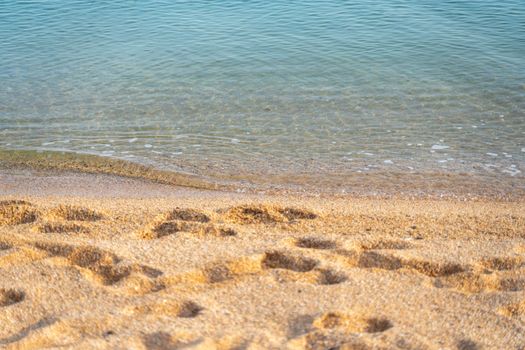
<point>97,261</point>
<point>20,166</point>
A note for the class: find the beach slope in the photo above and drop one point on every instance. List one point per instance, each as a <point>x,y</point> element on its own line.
<point>90,261</point>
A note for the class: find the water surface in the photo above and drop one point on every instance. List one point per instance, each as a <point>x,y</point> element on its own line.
<point>269,87</point>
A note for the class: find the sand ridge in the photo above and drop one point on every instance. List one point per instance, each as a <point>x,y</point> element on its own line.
<point>261,272</point>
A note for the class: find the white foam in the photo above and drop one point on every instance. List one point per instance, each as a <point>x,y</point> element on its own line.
<point>388,161</point>
<point>235,140</point>
<point>439,147</point>
<point>511,171</point>
<point>147,145</point>
<point>492,154</point>
<point>133,140</point>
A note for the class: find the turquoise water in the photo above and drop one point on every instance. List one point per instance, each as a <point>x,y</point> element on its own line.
<point>269,87</point>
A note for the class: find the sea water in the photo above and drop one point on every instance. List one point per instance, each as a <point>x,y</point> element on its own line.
<point>269,87</point>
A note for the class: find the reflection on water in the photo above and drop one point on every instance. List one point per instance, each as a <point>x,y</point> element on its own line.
<point>230,87</point>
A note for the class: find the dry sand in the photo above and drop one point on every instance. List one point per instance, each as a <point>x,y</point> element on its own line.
<point>89,261</point>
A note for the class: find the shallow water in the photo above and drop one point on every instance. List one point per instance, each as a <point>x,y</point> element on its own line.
<point>283,87</point>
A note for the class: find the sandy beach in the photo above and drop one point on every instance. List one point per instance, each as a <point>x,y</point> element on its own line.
<point>249,175</point>
<point>98,261</point>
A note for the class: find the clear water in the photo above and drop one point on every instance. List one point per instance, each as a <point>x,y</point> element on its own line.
<point>269,87</point>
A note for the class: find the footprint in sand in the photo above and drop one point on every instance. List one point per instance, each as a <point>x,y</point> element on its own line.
<point>106,268</point>
<point>55,227</point>
<point>503,263</point>
<point>315,243</point>
<point>337,330</point>
<point>185,220</point>
<point>163,229</point>
<point>352,323</point>
<point>279,260</point>
<point>501,274</point>
<point>379,260</point>
<point>265,214</point>
<point>184,309</point>
<point>10,296</point>
<point>218,272</point>
<point>467,344</point>
<point>448,274</point>
<point>5,246</point>
<point>187,215</point>
<point>167,228</point>
<point>329,277</point>
<point>73,213</point>
<point>17,212</point>
<point>470,282</point>
<point>309,272</point>
<point>287,268</point>
<point>103,264</point>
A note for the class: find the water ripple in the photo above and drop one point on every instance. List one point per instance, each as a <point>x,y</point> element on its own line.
<point>302,85</point>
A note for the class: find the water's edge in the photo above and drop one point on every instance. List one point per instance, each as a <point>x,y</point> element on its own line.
<point>378,184</point>
<point>86,163</point>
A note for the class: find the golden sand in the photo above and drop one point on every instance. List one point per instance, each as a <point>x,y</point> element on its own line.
<point>194,269</point>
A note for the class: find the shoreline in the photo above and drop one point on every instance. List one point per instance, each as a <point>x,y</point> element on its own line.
<point>432,185</point>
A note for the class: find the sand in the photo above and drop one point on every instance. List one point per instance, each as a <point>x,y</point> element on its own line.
<point>92,261</point>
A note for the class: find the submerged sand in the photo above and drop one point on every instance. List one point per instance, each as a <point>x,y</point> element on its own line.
<point>103,262</point>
